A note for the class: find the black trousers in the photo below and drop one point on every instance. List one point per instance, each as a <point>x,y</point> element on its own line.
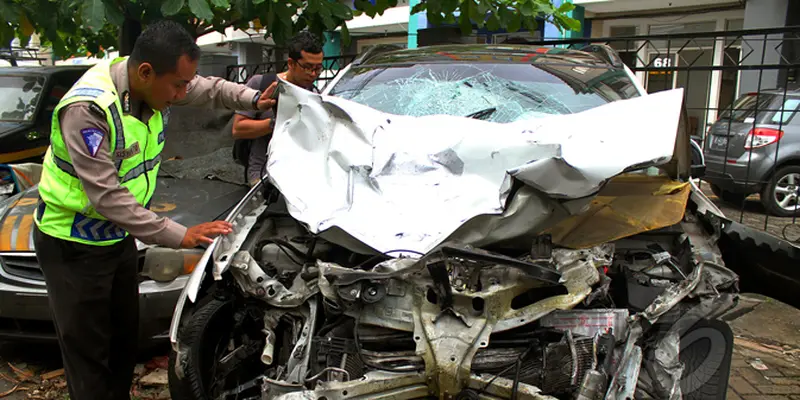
<point>94,298</point>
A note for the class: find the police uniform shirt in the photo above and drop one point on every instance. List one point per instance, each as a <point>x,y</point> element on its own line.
<point>95,166</point>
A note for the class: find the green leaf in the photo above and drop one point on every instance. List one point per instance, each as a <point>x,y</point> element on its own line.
<point>566,7</point>
<point>8,12</point>
<point>418,8</point>
<point>473,12</point>
<point>449,6</point>
<point>325,14</point>
<point>572,24</point>
<point>201,9</point>
<point>466,25</point>
<point>171,7</point>
<point>530,24</point>
<point>224,3</point>
<point>514,23</point>
<point>341,11</point>
<point>94,14</point>
<point>114,15</point>
<point>312,6</point>
<point>493,23</point>
<point>381,6</point>
<point>270,17</point>
<point>345,34</point>
<point>527,8</point>
<point>483,7</point>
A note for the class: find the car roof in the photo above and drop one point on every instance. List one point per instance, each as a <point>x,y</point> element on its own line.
<point>42,70</point>
<point>598,56</point>
<point>793,92</point>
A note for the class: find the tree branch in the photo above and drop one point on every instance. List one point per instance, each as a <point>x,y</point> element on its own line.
<point>213,28</point>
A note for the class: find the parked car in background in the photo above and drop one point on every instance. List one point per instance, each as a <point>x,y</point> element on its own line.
<point>754,147</point>
<point>24,309</point>
<point>28,96</point>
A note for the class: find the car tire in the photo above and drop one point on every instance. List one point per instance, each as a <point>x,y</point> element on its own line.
<point>198,331</point>
<point>706,353</point>
<point>786,177</point>
<point>212,324</point>
<point>728,197</point>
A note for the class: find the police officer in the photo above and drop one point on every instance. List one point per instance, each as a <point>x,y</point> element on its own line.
<point>98,177</point>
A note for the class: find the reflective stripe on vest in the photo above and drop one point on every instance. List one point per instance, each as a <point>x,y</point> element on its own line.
<point>95,229</point>
<point>140,169</point>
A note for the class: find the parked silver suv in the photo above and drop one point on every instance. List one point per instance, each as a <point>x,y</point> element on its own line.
<point>754,147</point>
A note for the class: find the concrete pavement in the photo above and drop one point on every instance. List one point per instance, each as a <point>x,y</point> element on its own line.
<point>766,359</point>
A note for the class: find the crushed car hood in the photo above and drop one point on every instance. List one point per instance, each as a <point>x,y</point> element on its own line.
<point>373,181</point>
<point>186,201</point>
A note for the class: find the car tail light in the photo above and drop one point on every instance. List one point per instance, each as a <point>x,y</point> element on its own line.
<point>760,137</point>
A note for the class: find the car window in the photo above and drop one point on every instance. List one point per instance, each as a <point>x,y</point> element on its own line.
<point>19,96</point>
<point>491,91</point>
<point>786,112</point>
<point>762,108</point>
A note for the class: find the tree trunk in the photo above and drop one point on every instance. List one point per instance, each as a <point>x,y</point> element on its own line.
<point>128,32</point>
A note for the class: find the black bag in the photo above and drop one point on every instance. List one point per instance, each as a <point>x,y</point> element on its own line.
<point>241,147</point>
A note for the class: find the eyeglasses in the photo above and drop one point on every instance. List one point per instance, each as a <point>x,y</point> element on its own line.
<point>309,68</point>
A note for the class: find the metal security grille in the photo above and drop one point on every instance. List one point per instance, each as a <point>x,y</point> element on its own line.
<point>756,72</point>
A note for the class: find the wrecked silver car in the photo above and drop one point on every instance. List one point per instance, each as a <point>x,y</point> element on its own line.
<point>466,222</point>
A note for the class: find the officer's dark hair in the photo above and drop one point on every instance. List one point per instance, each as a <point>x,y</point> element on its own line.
<point>161,44</point>
<point>304,41</point>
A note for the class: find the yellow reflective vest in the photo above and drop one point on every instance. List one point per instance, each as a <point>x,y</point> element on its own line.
<point>66,212</point>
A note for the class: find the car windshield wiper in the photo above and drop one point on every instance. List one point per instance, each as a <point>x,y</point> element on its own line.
<point>482,114</point>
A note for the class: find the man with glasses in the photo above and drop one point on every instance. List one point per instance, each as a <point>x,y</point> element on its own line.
<point>253,129</point>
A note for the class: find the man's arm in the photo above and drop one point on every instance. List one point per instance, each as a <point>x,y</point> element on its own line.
<point>246,128</point>
<point>253,124</point>
<point>95,168</point>
<point>214,92</point>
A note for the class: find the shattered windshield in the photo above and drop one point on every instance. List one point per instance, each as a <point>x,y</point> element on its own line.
<point>19,96</point>
<point>492,92</point>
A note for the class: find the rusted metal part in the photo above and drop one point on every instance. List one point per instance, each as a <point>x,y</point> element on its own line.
<point>491,387</point>
<point>579,272</point>
<point>448,344</point>
<point>374,385</point>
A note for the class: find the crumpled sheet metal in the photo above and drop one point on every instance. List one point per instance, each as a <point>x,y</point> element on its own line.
<point>402,182</point>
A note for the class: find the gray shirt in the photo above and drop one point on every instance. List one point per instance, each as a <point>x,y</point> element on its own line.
<point>97,172</point>
<point>257,160</point>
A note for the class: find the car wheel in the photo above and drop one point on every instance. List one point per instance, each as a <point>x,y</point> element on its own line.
<point>210,336</point>
<point>706,353</point>
<point>780,196</point>
<point>728,197</point>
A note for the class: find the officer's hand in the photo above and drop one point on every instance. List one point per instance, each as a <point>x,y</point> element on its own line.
<point>266,102</point>
<point>204,233</point>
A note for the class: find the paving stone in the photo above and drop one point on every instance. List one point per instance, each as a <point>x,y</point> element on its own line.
<point>764,397</point>
<point>733,396</point>
<point>738,362</point>
<point>773,371</point>
<point>740,385</point>
<point>789,371</point>
<point>778,389</point>
<point>753,376</point>
<point>786,381</point>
